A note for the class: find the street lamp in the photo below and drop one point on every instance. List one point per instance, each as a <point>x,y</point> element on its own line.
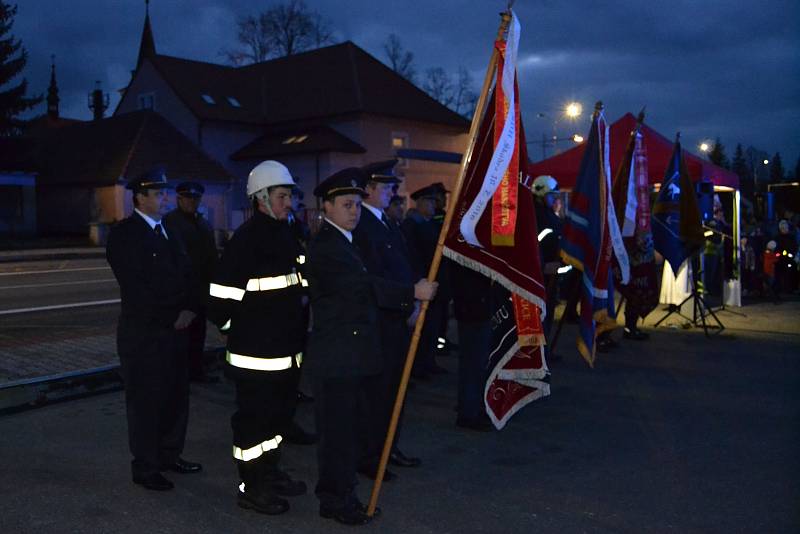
<point>578,138</point>
<point>573,110</point>
<point>766,162</point>
<point>704,147</point>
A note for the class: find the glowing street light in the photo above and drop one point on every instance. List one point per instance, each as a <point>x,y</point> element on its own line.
<point>573,110</point>
<point>705,147</point>
<point>578,138</point>
<point>766,162</point>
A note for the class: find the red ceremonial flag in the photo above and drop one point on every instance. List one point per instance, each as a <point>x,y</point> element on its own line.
<point>502,243</point>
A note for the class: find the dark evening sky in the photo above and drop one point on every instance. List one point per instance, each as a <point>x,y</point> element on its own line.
<point>728,69</point>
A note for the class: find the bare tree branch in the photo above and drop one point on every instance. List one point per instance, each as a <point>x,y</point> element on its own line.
<point>439,85</point>
<point>401,60</point>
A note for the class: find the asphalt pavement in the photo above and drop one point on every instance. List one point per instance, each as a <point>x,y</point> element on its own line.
<point>681,433</point>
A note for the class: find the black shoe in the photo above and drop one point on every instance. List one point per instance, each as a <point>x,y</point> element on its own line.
<point>349,515</point>
<point>298,436</point>
<point>262,502</point>
<point>397,458</point>
<point>155,482</point>
<point>183,467</point>
<point>635,334</point>
<point>372,472</point>
<point>479,424</point>
<point>283,485</point>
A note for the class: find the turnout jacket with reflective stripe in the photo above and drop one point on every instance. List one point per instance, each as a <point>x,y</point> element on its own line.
<point>256,295</point>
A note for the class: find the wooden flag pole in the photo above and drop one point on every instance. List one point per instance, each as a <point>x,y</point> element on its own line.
<point>434,269</point>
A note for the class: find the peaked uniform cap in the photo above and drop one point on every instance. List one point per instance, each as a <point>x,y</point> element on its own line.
<point>382,171</point>
<point>190,189</point>
<point>155,178</point>
<point>349,181</point>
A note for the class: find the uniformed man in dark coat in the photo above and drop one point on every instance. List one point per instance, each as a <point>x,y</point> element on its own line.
<point>344,356</point>
<point>155,280</point>
<point>421,230</point>
<point>383,248</point>
<point>256,297</point>
<point>198,237</point>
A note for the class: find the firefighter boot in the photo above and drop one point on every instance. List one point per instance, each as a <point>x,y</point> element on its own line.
<point>279,481</point>
<point>254,494</point>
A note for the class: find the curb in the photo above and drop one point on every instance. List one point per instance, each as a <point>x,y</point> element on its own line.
<point>32,393</point>
<point>52,256</point>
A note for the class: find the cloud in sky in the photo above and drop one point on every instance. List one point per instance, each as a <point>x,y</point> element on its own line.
<point>728,69</point>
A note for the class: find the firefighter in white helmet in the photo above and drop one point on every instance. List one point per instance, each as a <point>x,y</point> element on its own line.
<point>257,297</point>
<point>545,191</point>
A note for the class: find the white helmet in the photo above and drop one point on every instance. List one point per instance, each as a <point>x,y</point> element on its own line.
<point>544,184</point>
<point>268,174</point>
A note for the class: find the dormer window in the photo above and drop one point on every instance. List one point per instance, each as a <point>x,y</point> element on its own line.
<point>208,99</point>
<point>233,102</point>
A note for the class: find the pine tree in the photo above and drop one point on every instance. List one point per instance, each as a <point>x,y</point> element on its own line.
<point>717,155</point>
<point>12,60</point>
<point>776,172</point>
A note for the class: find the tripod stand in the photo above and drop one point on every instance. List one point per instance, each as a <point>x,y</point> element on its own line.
<point>700,310</point>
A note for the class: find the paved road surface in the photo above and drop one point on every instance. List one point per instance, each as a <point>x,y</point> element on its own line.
<point>680,434</point>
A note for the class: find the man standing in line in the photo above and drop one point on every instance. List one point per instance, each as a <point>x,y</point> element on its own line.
<point>257,298</point>
<point>198,237</point>
<point>344,347</point>
<point>385,255</point>
<point>155,283</point>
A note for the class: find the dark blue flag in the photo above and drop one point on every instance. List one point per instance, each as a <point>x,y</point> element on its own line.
<point>677,233</point>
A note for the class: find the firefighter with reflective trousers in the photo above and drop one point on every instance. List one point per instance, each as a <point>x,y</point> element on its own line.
<point>256,298</point>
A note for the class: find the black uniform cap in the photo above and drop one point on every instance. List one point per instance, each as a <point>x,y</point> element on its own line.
<point>349,181</point>
<point>382,171</point>
<point>190,189</point>
<point>155,178</point>
<point>429,191</point>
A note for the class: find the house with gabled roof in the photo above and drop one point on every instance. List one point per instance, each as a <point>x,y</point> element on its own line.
<point>316,112</point>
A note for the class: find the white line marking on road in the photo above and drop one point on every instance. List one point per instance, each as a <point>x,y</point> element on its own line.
<point>61,306</point>
<point>48,271</point>
<point>24,286</point>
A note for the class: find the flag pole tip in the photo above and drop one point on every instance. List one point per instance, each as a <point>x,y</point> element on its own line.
<point>677,137</point>
<point>598,105</point>
<point>640,118</point>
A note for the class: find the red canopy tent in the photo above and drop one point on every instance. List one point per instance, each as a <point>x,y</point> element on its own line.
<point>564,167</point>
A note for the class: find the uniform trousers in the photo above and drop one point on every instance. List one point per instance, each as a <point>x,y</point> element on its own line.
<point>474,344</point>
<point>425,359</point>
<point>338,402</point>
<point>197,344</point>
<point>380,393</point>
<point>262,400</point>
<point>154,368</point>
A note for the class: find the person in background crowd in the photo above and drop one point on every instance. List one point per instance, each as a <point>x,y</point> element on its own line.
<point>198,237</point>
<point>770,259</point>
<point>158,305</point>
<point>472,303</point>
<point>257,298</point>
<point>396,210</point>
<point>786,266</point>
<point>422,234</point>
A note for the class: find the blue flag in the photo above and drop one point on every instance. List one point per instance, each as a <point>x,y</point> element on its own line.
<point>677,233</point>
<point>586,241</point>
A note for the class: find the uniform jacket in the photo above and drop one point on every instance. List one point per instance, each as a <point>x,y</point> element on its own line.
<point>345,299</point>
<point>155,276</point>
<point>384,250</point>
<point>256,295</point>
<point>550,243</point>
<point>198,238</point>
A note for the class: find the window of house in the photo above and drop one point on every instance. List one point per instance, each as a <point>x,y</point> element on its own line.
<point>208,99</point>
<point>295,139</point>
<point>400,140</point>
<point>234,102</point>
<point>147,101</point>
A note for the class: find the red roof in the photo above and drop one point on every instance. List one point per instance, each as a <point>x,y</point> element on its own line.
<point>564,167</point>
